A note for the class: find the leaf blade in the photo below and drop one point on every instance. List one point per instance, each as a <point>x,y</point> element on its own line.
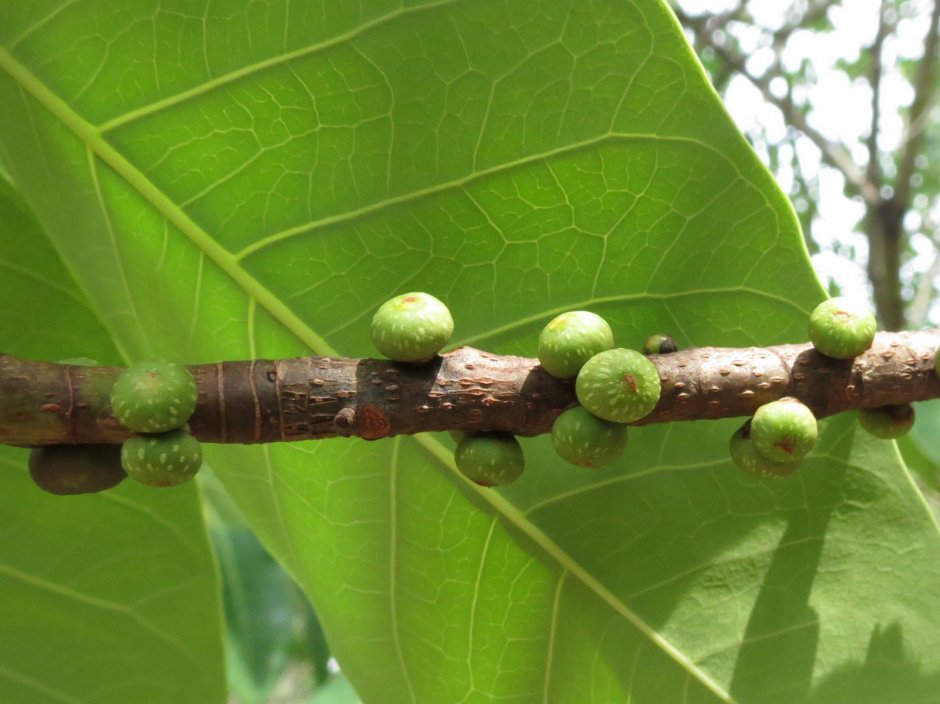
<point>109,596</point>
<point>378,164</point>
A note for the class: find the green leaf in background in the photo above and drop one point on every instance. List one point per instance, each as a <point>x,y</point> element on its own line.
<point>243,180</point>
<point>920,445</point>
<point>110,597</point>
<point>275,641</point>
<point>338,691</point>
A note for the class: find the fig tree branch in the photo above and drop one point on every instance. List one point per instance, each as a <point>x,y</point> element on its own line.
<point>833,154</point>
<point>468,389</point>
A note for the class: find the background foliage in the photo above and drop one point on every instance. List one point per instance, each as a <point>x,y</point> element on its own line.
<point>222,181</point>
<point>841,101</point>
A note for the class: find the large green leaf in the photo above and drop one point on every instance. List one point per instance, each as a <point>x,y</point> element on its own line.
<point>109,597</point>
<point>236,179</point>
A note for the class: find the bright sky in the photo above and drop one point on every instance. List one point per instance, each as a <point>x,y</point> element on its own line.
<point>842,113</point>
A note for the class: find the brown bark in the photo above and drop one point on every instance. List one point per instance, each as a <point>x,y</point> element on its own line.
<point>467,389</point>
<point>884,226</point>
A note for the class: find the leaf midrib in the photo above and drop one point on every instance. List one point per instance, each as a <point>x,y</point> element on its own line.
<point>95,142</point>
<point>228,263</point>
<point>445,456</point>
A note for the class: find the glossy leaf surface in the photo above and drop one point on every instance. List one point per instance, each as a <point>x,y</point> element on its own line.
<point>235,180</point>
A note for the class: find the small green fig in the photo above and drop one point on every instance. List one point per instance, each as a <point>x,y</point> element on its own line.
<point>162,459</point>
<point>490,459</point>
<point>842,327</point>
<point>586,440</point>
<point>887,422</point>
<point>748,459</point>
<point>784,430</point>
<point>618,385</point>
<point>412,327</point>
<point>153,397</point>
<point>659,344</point>
<point>76,469</point>
<point>571,339</point>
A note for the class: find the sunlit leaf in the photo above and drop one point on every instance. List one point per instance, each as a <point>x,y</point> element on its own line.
<point>243,180</point>
<point>108,597</point>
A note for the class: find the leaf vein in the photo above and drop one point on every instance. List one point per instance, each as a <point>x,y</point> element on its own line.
<point>557,554</point>
<point>262,65</point>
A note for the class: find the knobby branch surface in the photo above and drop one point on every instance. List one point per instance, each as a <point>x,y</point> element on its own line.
<point>468,389</point>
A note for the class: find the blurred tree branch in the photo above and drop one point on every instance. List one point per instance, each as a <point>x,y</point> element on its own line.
<point>888,196</point>
<point>835,155</point>
<point>882,224</point>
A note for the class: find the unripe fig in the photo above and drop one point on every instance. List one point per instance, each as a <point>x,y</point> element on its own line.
<point>490,459</point>
<point>412,327</point>
<point>659,344</point>
<point>887,422</point>
<point>571,339</point>
<point>784,430</point>
<point>153,397</point>
<point>76,469</point>
<point>748,459</point>
<point>586,440</point>
<point>162,459</point>
<point>842,327</point>
<point>618,385</point>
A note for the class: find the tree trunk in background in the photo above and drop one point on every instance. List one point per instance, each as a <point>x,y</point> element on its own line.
<point>725,38</point>
<point>884,228</point>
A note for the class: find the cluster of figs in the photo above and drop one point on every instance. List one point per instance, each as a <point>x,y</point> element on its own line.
<point>155,399</point>
<point>781,433</point>
<point>614,387</point>
<point>617,386</point>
